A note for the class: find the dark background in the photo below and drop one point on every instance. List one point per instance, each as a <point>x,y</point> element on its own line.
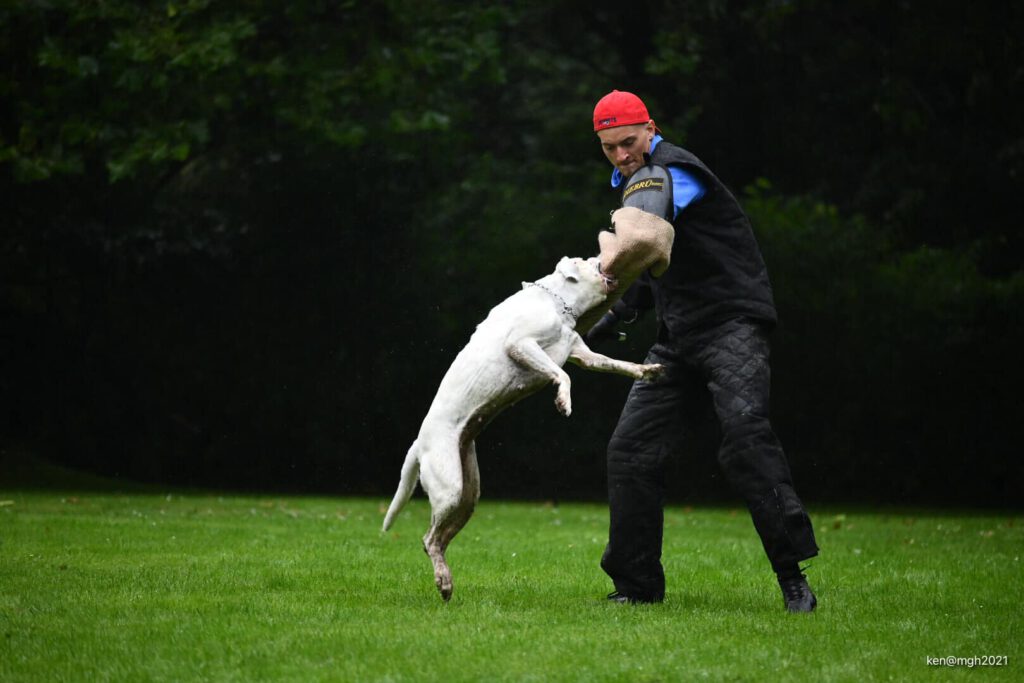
<point>242,242</point>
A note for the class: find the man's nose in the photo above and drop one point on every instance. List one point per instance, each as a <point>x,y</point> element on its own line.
<point>623,154</point>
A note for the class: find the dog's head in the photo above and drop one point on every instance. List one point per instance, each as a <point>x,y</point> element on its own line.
<point>583,278</point>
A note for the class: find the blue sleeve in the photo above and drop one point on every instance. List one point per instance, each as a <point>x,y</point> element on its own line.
<point>686,188</point>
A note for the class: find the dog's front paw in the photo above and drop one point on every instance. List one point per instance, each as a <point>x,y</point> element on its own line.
<point>563,402</point>
<point>651,372</point>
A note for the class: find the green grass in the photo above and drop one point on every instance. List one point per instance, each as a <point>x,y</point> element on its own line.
<point>136,587</point>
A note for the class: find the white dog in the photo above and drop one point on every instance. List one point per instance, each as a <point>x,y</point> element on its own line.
<point>515,351</point>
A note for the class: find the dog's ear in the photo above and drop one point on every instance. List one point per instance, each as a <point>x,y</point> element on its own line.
<point>568,269</point>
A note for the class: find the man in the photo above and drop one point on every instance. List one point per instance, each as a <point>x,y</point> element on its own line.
<point>715,310</point>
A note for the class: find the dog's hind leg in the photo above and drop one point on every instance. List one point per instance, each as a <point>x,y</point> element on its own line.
<point>470,493</point>
<point>471,480</point>
<point>450,514</point>
<point>442,479</point>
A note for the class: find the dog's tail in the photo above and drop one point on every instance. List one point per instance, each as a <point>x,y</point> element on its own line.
<point>410,473</point>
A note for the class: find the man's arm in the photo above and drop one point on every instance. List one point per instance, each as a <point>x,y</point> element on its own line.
<point>686,188</point>
<point>639,298</point>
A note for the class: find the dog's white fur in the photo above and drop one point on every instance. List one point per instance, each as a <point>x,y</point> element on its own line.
<point>515,351</point>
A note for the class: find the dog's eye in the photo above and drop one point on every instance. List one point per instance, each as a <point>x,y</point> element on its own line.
<point>571,278</point>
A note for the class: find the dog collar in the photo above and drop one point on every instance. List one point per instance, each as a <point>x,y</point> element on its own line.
<point>566,308</point>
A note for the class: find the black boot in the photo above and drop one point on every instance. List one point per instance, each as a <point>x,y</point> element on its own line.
<point>623,599</point>
<point>797,595</point>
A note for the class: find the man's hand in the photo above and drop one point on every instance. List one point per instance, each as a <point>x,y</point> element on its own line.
<point>603,329</point>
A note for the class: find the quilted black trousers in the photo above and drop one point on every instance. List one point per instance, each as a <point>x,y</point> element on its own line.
<point>727,366</point>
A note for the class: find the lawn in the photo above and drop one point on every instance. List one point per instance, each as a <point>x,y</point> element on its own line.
<point>140,586</point>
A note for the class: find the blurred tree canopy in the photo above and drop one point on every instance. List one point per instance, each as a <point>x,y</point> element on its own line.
<point>243,241</point>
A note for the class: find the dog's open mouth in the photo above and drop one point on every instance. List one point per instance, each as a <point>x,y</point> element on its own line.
<point>608,282</point>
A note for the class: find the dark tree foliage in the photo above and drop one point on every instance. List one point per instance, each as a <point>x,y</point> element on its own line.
<point>243,241</point>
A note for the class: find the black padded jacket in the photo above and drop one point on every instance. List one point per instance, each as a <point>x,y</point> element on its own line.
<point>717,271</point>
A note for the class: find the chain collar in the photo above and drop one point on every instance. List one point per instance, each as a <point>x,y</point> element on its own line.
<point>566,308</point>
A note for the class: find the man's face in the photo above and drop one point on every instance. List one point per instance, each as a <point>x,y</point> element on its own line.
<point>625,146</point>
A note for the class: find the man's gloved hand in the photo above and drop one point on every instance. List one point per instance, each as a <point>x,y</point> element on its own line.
<point>604,328</point>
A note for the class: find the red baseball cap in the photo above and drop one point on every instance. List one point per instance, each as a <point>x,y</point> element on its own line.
<point>619,108</point>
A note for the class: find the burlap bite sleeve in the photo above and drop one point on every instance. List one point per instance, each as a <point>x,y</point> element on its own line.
<point>636,242</point>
